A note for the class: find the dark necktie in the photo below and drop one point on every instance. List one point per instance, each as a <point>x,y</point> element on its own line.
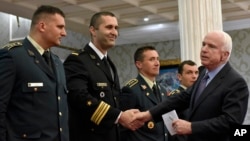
<point>108,67</point>
<point>46,56</point>
<point>202,86</point>
<point>156,92</point>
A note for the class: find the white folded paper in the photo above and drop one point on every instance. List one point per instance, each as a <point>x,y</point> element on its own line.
<point>168,119</point>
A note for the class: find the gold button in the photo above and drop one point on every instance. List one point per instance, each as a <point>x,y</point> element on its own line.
<point>35,89</point>
<point>59,98</point>
<point>60,113</point>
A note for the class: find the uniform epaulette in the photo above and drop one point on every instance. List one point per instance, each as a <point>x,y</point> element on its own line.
<point>13,44</point>
<point>78,52</point>
<point>174,92</point>
<point>132,82</point>
<point>75,53</point>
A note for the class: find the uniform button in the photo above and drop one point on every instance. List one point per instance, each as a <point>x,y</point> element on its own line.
<point>59,98</point>
<point>60,113</point>
<point>114,98</point>
<point>24,135</point>
<point>60,129</point>
<point>35,89</point>
<point>166,134</point>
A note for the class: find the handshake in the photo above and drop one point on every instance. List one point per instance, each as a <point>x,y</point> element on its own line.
<point>134,119</point>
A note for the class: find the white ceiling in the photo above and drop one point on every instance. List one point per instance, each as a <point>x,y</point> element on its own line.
<point>162,14</point>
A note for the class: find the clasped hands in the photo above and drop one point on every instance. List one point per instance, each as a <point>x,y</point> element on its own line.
<point>134,119</point>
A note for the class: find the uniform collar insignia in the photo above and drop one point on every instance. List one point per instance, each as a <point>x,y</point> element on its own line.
<point>92,56</point>
<point>31,53</point>
<point>144,87</point>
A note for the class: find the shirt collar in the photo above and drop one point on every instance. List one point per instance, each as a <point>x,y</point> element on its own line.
<point>148,81</point>
<point>36,45</point>
<point>214,72</point>
<point>97,51</point>
<point>184,87</point>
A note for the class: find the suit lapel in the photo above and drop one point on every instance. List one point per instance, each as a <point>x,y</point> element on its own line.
<point>211,87</point>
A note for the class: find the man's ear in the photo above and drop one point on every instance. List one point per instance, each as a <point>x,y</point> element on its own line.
<point>138,64</point>
<point>225,55</point>
<point>41,26</point>
<point>92,30</point>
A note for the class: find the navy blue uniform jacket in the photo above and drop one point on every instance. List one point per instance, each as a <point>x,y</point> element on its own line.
<point>138,95</point>
<point>92,97</point>
<point>33,100</point>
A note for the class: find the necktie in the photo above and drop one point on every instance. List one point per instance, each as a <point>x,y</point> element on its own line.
<point>46,56</point>
<point>202,86</point>
<point>156,92</point>
<point>107,66</point>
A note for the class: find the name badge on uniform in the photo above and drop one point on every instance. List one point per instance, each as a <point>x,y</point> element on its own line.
<point>102,84</point>
<point>38,84</point>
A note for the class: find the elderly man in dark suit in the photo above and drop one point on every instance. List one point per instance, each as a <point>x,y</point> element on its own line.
<point>33,102</point>
<point>221,104</point>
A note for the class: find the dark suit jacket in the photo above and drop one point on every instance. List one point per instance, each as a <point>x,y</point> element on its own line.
<point>138,95</point>
<point>222,103</point>
<point>33,100</point>
<point>92,97</point>
<point>181,114</point>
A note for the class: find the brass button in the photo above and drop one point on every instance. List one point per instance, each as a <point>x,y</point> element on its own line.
<point>60,113</point>
<point>61,129</point>
<point>35,89</point>
<point>59,98</point>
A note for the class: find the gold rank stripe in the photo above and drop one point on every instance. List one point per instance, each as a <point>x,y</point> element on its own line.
<point>100,112</point>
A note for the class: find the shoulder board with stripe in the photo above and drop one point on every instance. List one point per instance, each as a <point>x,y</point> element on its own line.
<point>132,82</point>
<point>174,92</point>
<point>13,44</point>
<point>77,52</point>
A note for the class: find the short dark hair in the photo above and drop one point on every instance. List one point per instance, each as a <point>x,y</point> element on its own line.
<point>96,18</point>
<point>188,62</point>
<point>45,9</point>
<point>138,56</point>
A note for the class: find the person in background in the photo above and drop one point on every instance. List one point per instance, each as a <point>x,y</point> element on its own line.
<point>33,92</point>
<point>221,105</point>
<point>93,85</point>
<point>139,93</point>
<point>187,74</point>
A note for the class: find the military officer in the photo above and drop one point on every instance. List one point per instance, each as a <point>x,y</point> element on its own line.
<point>142,93</point>
<point>94,86</point>
<point>33,96</point>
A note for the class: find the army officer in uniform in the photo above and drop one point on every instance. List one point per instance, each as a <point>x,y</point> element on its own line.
<point>143,93</point>
<point>94,86</point>
<point>33,95</point>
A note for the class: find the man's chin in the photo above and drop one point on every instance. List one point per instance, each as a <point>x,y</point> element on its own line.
<point>111,44</point>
